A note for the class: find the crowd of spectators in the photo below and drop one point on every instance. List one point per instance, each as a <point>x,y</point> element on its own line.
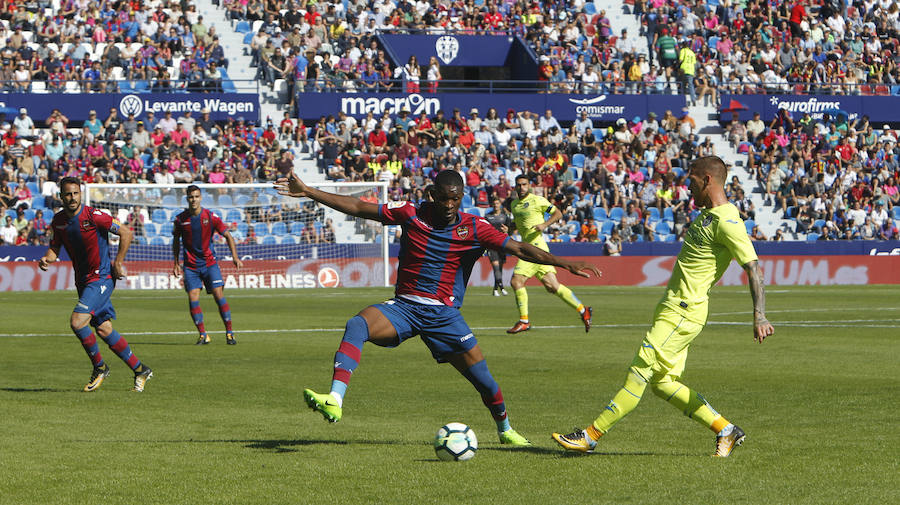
<point>700,49</point>
<point>836,177</point>
<point>108,46</point>
<point>155,150</point>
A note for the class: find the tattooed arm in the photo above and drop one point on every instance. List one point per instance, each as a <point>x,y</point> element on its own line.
<point>762,328</point>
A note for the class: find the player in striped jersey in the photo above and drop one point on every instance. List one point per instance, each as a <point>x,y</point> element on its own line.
<point>440,245</point>
<point>194,229</point>
<point>84,232</point>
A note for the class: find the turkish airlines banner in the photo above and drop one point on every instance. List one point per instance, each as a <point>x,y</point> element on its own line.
<point>367,272</point>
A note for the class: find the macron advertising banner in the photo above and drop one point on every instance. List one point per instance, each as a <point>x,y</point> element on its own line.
<point>77,106</point>
<point>797,263</point>
<point>880,109</point>
<point>565,107</point>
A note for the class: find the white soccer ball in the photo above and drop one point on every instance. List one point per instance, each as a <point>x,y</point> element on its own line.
<point>455,442</point>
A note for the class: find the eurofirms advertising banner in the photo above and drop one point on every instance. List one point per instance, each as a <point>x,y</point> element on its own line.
<point>77,106</point>
<point>450,50</point>
<point>880,109</point>
<point>565,107</point>
<point>366,272</point>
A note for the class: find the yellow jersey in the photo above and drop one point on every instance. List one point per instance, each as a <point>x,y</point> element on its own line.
<point>527,213</point>
<point>715,237</point>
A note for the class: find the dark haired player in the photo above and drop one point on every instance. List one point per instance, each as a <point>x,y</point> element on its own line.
<point>84,232</point>
<point>499,219</point>
<point>194,228</point>
<point>440,246</point>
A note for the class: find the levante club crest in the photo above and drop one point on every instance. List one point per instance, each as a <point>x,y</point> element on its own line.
<point>462,232</point>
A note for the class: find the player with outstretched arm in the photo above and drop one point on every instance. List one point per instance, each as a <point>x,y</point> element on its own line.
<point>715,236</point>
<point>84,232</point>
<point>440,245</point>
<point>194,229</point>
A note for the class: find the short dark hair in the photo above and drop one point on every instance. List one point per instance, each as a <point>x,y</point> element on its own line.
<point>448,178</point>
<point>69,180</point>
<point>190,189</point>
<point>712,165</point>
<point>521,176</point>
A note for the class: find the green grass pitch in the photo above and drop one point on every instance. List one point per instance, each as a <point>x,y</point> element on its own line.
<point>221,424</point>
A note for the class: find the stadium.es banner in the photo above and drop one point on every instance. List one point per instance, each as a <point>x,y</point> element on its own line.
<point>77,106</point>
<point>880,109</point>
<point>367,272</point>
<point>565,107</point>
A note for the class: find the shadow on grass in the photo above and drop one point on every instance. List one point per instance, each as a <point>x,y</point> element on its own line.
<point>280,446</point>
<point>35,390</point>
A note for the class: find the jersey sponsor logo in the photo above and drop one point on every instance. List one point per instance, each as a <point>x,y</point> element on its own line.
<point>97,213</point>
<point>328,278</point>
<point>395,205</point>
<point>205,222</point>
<point>732,221</point>
<point>467,337</point>
<point>83,306</point>
<point>462,232</point>
<point>707,220</point>
<point>87,225</point>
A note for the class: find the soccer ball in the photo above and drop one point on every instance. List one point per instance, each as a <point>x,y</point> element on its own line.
<point>455,442</point>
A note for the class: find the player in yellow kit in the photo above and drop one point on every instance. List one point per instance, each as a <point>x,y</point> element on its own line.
<point>528,215</point>
<point>715,237</point>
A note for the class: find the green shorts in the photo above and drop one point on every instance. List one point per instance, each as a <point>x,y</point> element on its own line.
<point>528,270</point>
<point>663,351</point>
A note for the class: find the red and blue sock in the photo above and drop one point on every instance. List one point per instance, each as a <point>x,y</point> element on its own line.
<point>346,359</point>
<point>197,316</point>
<point>480,377</point>
<point>120,346</point>
<point>89,342</point>
<point>225,312</point>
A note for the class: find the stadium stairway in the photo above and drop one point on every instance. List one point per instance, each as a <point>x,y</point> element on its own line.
<point>239,69</point>
<point>615,11</point>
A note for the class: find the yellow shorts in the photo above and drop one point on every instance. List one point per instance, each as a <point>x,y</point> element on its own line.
<point>528,270</point>
<point>663,351</point>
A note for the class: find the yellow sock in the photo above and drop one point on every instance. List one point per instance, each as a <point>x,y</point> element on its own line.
<point>624,402</point>
<point>691,404</point>
<point>569,297</point>
<point>522,303</point>
<point>594,433</point>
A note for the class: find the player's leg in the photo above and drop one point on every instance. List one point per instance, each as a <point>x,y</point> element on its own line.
<point>193,282</point>
<point>79,324</point>
<point>494,257</point>
<point>370,325</point>
<point>120,346</point>
<point>473,367</point>
<point>518,280</point>
<point>552,285</point>
<point>225,312</point>
<point>215,285</point>
<point>693,405</point>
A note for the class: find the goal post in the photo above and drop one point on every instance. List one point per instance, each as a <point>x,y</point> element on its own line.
<point>282,241</point>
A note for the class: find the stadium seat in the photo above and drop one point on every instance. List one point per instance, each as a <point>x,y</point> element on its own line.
<point>225,201</point>
<point>812,237</point>
<point>607,226</point>
<point>662,228</point>
<point>578,160</point>
<point>590,9</point>
<point>616,214</point>
<point>882,90</point>
<point>818,224</point>
<point>467,201</point>
<point>11,213</point>
<point>242,228</point>
<point>668,215</point>
<point>159,216</point>
<point>157,241</point>
<point>670,238</point>
<point>170,201</point>
<point>243,27</point>
<point>241,200</point>
<point>139,239</point>
<point>749,224</point>
<point>654,213</point>
<point>33,187</point>
<point>234,216</point>
<point>248,38</point>
<point>897,212</point>
<point>260,228</point>
<point>208,200</point>
<point>297,227</point>
<point>600,214</point>
<point>166,229</point>
<point>269,240</point>
<point>279,228</point>
<point>151,229</point>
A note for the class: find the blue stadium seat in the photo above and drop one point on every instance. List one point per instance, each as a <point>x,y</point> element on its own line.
<point>145,158</point>
<point>607,226</point>
<point>38,203</point>
<point>151,229</point>
<point>243,27</point>
<point>225,201</point>
<point>142,86</point>
<point>234,216</point>
<point>668,215</point>
<point>467,201</point>
<point>242,228</point>
<point>159,216</point>
<point>812,237</point>
<point>241,200</point>
<point>565,237</point>
<point>166,229</point>
<point>269,240</point>
<point>157,241</point>
<point>897,212</point>
<point>260,228</point>
<point>818,224</point>
<point>578,160</point>
<point>662,228</point>
<point>248,38</point>
<point>600,214</point>
<point>589,8</point>
<point>33,187</point>
<point>638,237</point>
<point>169,201</point>
<point>616,214</point>
<point>297,227</point>
<point>749,224</point>
<point>654,213</point>
<point>574,171</point>
<point>279,228</point>
<point>29,214</point>
<point>11,213</point>
<point>671,238</point>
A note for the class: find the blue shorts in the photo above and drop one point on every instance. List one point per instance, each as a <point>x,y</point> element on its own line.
<point>209,276</point>
<point>442,328</point>
<point>94,299</point>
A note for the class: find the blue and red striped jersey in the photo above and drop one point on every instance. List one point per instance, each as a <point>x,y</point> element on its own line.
<point>196,234</point>
<point>435,263</point>
<point>86,238</point>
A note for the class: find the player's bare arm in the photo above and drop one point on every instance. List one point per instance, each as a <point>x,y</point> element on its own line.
<point>531,253</point>
<point>233,248</point>
<point>176,253</point>
<point>762,328</point>
<point>556,216</point>
<point>294,187</point>
<point>125,237</point>
<point>49,257</point>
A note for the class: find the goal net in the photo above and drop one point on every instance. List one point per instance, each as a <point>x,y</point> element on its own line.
<point>282,242</point>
